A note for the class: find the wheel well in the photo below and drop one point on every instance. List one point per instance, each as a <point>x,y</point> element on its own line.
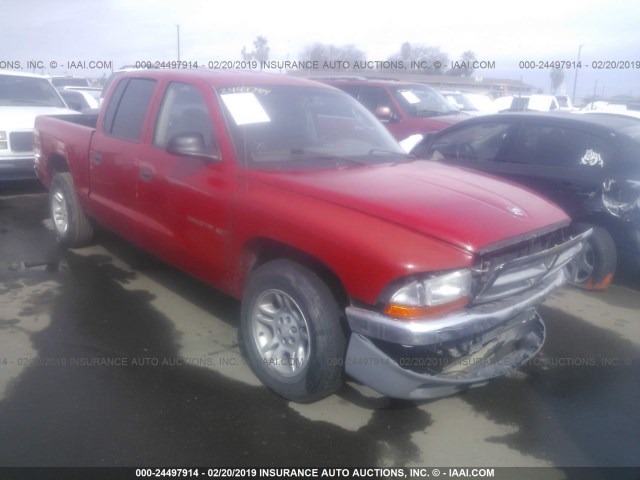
<point>606,222</point>
<point>262,250</point>
<point>57,164</point>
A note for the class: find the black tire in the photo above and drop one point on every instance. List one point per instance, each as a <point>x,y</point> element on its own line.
<point>71,225</point>
<point>279,295</point>
<point>594,267</point>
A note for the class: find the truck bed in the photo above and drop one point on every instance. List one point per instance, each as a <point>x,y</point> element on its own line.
<point>88,120</point>
<point>67,137</point>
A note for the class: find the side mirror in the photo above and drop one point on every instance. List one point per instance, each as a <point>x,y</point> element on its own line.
<point>384,114</point>
<point>192,145</point>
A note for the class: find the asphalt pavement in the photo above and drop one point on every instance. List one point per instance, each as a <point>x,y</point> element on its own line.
<point>109,357</point>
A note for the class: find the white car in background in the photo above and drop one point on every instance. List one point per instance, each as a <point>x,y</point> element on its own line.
<point>564,101</point>
<point>536,102</point>
<point>69,81</point>
<point>82,99</point>
<point>613,108</point>
<point>23,96</point>
<point>471,103</point>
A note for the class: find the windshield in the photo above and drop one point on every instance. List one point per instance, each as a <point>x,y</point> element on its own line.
<point>459,101</point>
<point>633,132</point>
<point>422,101</point>
<point>289,127</point>
<point>28,91</point>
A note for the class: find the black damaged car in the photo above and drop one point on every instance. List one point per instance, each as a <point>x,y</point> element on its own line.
<point>587,164</point>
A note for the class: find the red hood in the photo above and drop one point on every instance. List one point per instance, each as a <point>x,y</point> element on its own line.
<point>412,125</point>
<point>463,208</point>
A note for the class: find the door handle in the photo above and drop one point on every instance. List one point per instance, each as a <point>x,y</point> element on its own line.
<point>146,174</point>
<point>96,158</point>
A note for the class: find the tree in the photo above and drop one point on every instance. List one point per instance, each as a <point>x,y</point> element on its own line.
<point>321,52</point>
<point>557,79</point>
<point>260,51</point>
<point>421,58</point>
<point>465,65</point>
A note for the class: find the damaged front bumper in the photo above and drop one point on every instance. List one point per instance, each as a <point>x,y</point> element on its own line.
<point>431,358</point>
<point>400,375</point>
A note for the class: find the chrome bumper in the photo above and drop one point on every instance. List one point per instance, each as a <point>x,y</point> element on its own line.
<point>471,321</point>
<point>511,325</point>
<point>17,167</point>
<point>499,336</point>
<point>499,353</point>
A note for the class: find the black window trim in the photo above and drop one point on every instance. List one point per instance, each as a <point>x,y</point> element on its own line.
<point>118,96</point>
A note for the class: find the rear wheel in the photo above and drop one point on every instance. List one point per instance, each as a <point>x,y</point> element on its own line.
<point>594,267</point>
<point>291,332</point>
<point>71,225</point>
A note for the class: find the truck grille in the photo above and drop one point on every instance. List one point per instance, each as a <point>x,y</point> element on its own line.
<point>515,269</point>
<point>21,141</point>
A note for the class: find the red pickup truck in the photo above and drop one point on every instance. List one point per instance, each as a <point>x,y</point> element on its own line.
<point>349,256</point>
<point>405,108</point>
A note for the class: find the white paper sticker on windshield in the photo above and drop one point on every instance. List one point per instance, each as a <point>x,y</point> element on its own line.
<point>592,159</point>
<point>409,96</point>
<point>245,108</point>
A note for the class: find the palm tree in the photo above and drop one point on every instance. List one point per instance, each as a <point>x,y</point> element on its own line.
<point>557,79</point>
<point>260,52</point>
<point>468,58</point>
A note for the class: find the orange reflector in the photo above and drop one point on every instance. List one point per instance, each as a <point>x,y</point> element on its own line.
<point>599,286</point>
<point>410,313</point>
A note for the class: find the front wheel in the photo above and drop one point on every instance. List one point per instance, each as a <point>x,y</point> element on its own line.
<point>71,225</point>
<point>291,331</point>
<point>593,268</point>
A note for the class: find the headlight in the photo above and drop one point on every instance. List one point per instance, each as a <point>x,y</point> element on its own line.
<point>36,144</point>
<point>621,198</point>
<point>3,140</point>
<point>431,296</point>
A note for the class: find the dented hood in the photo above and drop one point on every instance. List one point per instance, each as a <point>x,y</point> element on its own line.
<point>469,210</point>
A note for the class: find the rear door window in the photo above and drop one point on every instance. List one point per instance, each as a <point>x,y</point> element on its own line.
<point>128,108</point>
<point>554,146</point>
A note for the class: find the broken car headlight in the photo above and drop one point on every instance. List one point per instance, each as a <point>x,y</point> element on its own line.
<point>431,296</point>
<point>621,198</point>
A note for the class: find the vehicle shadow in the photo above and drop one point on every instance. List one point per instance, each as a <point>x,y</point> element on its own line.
<point>20,187</point>
<point>628,273</point>
<point>106,388</point>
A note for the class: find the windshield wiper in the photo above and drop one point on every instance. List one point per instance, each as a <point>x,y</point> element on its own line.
<point>325,156</point>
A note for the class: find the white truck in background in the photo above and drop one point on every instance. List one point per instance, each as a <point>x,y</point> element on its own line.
<point>23,96</point>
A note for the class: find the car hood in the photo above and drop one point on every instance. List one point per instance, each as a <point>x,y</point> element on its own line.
<point>422,125</point>
<point>23,117</point>
<point>469,210</point>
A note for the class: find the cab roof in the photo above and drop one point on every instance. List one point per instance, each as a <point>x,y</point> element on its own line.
<point>609,122</point>
<point>219,78</point>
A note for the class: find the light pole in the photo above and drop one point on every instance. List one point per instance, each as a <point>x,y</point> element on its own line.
<point>178,34</point>
<point>575,79</point>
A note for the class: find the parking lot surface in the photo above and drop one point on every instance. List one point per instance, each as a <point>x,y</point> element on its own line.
<point>109,357</point>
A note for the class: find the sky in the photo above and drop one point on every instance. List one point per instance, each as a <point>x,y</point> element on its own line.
<point>126,31</point>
